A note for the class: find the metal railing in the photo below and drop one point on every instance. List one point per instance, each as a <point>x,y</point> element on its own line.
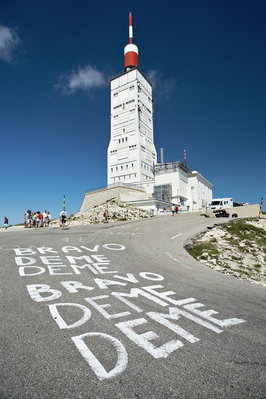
<point>128,185</point>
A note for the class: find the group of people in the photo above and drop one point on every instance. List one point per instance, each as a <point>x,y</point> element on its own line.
<point>37,219</point>
<point>175,209</point>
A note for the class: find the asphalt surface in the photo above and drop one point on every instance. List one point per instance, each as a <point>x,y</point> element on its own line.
<point>191,332</point>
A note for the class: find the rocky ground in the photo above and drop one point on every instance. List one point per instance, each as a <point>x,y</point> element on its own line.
<point>117,212</point>
<point>237,248</point>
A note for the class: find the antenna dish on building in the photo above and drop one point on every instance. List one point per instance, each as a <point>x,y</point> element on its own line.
<point>131,52</point>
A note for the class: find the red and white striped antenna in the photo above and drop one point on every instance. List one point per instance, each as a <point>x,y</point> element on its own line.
<point>131,52</point>
<point>130,27</point>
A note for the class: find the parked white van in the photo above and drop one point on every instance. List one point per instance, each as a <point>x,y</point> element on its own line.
<point>221,203</point>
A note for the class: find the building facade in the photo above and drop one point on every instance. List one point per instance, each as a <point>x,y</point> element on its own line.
<point>176,183</point>
<point>199,192</point>
<point>131,151</point>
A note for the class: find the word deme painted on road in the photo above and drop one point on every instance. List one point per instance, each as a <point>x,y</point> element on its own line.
<point>117,290</point>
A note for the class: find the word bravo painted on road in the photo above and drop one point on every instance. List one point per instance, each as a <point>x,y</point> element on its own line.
<point>106,291</point>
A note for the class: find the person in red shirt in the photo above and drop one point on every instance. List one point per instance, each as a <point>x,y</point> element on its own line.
<point>40,217</point>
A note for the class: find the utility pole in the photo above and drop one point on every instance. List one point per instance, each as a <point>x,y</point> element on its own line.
<point>64,203</point>
<point>261,202</point>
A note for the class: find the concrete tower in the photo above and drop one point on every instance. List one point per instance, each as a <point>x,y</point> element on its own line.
<point>131,151</point>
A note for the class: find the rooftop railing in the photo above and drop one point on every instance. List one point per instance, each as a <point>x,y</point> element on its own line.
<point>128,185</point>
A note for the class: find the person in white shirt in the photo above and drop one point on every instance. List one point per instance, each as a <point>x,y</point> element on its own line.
<point>173,209</point>
<point>44,218</point>
<point>63,218</point>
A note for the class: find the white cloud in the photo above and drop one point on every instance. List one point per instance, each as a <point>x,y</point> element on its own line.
<point>162,87</point>
<point>86,79</point>
<point>8,41</point>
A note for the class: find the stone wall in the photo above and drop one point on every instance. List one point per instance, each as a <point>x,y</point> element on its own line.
<point>247,211</point>
<point>95,198</point>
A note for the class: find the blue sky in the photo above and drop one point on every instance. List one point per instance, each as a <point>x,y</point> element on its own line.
<point>207,63</point>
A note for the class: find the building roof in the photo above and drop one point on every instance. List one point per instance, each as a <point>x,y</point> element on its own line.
<point>171,166</point>
<point>194,173</point>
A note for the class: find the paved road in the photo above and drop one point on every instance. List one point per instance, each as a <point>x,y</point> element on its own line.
<point>122,311</point>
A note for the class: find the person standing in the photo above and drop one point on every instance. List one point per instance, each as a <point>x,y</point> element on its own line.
<point>48,218</point>
<point>173,209</point>
<point>40,219</point>
<point>5,222</point>
<point>26,218</point>
<point>44,214</point>
<point>176,209</point>
<point>63,218</point>
<point>30,219</point>
<point>106,215</point>
<point>34,219</point>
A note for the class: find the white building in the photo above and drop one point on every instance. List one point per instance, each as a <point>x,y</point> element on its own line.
<point>132,159</point>
<point>200,192</point>
<point>131,151</point>
<point>176,183</point>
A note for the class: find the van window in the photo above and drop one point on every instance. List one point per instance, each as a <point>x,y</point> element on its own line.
<point>216,203</point>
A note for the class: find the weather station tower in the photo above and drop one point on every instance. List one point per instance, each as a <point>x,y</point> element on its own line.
<point>131,151</point>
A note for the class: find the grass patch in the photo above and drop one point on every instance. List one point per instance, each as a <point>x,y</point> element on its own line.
<point>200,248</point>
<point>236,257</point>
<point>257,267</point>
<point>253,251</point>
<point>232,241</point>
<point>246,232</point>
<point>249,274</point>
